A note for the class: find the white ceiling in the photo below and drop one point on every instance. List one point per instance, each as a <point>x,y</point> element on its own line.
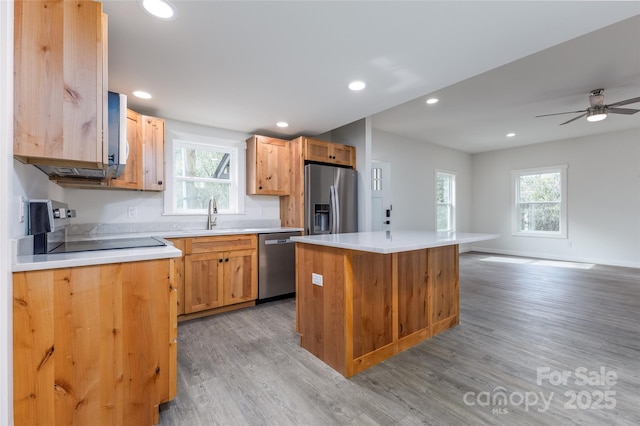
<point>244,65</point>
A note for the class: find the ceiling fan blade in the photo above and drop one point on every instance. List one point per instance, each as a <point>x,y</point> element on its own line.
<point>627,111</point>
<point>574,119</point>
<point>560,113</point>
<point>627,102</point>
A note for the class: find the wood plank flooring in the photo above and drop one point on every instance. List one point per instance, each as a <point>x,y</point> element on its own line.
<point>247,368</point>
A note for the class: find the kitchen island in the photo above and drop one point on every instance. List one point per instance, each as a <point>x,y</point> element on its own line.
<point>363,297</point>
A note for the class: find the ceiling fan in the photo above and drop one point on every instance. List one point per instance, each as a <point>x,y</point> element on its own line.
<point>598,110</point>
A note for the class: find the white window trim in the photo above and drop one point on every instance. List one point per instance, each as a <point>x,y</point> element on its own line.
<point>237,169</point>
<point>453,197</point>
<point>515,228</point>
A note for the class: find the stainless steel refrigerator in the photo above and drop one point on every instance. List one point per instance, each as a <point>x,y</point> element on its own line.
<point>331,199</point>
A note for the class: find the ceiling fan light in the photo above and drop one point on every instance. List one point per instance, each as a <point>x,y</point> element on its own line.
<point>161,9</point>
<point>593,116</point>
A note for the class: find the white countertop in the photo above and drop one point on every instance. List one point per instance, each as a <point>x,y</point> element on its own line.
<point>386,242</point>
<point>188,233</point>
<point>100,257</point>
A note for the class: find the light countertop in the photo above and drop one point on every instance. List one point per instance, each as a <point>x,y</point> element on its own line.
<point>386,242</point>
<point>99,257</point>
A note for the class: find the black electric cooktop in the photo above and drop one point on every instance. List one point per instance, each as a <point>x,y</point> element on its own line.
<point>119,243</point>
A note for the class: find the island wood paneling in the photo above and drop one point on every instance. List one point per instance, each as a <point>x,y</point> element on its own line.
<point>412,292</point>
<point>372,306</point>
<point>443,288</point>
<point>322,308</point>
<point>372,290</point>
<point>93,344</point>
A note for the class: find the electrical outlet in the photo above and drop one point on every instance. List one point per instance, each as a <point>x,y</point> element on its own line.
<point>132,212</point>
<point>316,279</point>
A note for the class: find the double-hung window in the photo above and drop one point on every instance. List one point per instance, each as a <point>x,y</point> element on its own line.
<point>199,172</point>
<point>445,201</point>
<point>539,207</point>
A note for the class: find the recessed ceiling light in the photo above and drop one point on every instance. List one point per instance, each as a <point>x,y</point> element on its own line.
<point>510,135</point>
<point>141,94</point>
<point>159,8</point>
<point>432,101</point>
<point>357,85</point>
<point>282,124</point>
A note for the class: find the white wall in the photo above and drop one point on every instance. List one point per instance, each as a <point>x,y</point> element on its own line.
<point>413,168</point>
<point>30,183</point>
<point>603,179</point>
<point>111,206</point>
<point>6,154</point>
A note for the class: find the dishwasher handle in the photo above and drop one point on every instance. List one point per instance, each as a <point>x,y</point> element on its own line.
<point>276,241</point>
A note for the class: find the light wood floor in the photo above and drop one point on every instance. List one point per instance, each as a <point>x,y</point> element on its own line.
<point>247,368</point>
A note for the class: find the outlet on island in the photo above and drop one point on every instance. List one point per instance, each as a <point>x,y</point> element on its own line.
<point>316,279</point>
<point>132,212</point>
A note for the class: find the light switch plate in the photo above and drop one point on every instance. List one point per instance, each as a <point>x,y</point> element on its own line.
<point>22,201</point>
<point>316,279</point>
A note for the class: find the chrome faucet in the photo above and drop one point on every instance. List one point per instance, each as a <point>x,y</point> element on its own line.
<point>212,216</point>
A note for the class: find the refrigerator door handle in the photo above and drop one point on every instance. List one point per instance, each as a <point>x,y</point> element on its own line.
<point>334,217</point>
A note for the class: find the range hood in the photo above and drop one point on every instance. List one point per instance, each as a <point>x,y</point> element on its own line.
<point>118,147</point>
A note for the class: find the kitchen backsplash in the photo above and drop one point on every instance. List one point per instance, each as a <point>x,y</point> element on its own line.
<point>97,229</point>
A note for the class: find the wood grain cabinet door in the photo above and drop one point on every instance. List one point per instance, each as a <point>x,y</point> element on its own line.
<point>60,83</point>
<point>268,166</point>
<point>203,281</point>
<point>240,273</point>
<point>93,344</point>
<point>131,177</point>
<point>330,153</point>
<point>153,153</point>
<point>343,155</point>
<point>318,151</point>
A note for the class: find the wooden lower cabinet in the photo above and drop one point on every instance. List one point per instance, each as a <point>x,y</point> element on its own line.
<point>371,306</point>
<point>94,344</point>
<point>219,272</point>
<point>203,281</point>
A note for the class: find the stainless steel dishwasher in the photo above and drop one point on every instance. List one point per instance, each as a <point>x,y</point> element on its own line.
<point>276,266</point>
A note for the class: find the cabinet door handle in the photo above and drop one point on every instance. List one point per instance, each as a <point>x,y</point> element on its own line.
<point>227,259</point>
<point>159,182</point>
<point>220,260</point>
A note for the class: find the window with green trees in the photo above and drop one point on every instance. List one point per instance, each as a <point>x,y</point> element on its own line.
<point>540,207</point>
<point>202,172</point>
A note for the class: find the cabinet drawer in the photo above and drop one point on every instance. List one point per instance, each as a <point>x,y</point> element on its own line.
<point>220,243</point>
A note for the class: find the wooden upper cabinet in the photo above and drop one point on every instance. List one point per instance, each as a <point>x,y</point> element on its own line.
<point>60,83</point>
<point>329,152</point>
<point>145,162</point>
<point>268,166</point>
<point>153,153</point>
<point>131,177</point>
